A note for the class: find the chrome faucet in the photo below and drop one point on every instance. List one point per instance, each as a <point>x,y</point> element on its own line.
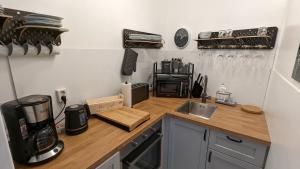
<point>204,94</point>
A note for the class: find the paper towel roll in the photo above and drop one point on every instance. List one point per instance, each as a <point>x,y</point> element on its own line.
<point>126,91</point>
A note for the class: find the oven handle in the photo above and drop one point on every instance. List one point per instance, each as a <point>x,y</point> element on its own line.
<point>130,164</point>
<point>181,86</point>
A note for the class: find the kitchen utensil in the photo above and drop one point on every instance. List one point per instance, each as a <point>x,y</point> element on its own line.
<point>76,119</point>
<point>125,117</point>
<point>201,86</point>
<point>205,35</point>
<point>262,31</point>
<point>196,93</point>
<point>252,109</point>
<point>222,34</point>
<point>229,33</point>
<point>166,66</point>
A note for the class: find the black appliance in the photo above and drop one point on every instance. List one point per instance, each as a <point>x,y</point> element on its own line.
<point>171,86</point>
<point>144,152</point>
<point>140,92</point>
<point>166,66</point>
<point>76,119</point>
<point>31,129</point>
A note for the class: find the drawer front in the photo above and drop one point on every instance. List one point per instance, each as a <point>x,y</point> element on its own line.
<point>239,148</point>
<point>216,160</point>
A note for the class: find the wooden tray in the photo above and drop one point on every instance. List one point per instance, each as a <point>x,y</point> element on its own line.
<point>252,109</point>
<point>125,117</point>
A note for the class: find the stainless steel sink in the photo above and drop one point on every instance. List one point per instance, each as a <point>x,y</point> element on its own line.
<point>198,109</point>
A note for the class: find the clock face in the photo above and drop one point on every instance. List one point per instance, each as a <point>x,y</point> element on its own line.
<point>181,38</point>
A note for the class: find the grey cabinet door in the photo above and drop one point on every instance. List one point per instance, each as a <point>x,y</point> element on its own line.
<point>112,163</point>
<point>216,160</point>
<point>240,148</point>
<point>187,145</point>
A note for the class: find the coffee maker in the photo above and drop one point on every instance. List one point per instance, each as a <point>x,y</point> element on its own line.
<point>31,129</point>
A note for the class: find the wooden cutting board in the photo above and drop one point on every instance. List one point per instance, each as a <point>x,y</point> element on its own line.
<point>252,109</point>
<point>125,117</point>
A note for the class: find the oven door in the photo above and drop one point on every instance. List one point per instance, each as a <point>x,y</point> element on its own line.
<point>146,156</point>
<point>168,88</point>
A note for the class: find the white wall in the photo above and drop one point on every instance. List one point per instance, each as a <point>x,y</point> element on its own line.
<point>91,53</point>
<point>214,15</point>
<point>5,81</point>
<point>283,98</point>
<point>5,157</point>
<point>95,37</point>
<point>91,56</point>
<point>246,73</point>
<point>6,94</point>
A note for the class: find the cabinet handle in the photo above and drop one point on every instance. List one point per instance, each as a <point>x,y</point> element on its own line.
<point>234,140</point>
<point>205,133</point>
<point>209,156</point>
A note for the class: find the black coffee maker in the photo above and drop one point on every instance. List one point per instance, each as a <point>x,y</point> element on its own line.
<point>31,129</point>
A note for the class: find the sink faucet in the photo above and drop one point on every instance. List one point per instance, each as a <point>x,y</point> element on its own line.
<point>204,94</point>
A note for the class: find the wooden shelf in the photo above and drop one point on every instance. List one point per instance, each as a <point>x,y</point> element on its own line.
<point>13,29</point>
<point>3,19</point>
<point>233,47</point>
<point>55,32</point>
<point>230,38</point>
<point>129,43</point>
<point>143,41</point>
<point>5,16</point>
<point>241,39</point>
<point>26,27</point>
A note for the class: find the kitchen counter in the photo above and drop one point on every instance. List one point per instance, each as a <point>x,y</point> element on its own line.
<point>101,140</point>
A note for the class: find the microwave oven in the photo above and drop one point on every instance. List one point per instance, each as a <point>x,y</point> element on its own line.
<point>172,87</point>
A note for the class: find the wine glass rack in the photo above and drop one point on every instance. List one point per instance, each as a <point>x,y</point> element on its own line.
<point>240,39</point>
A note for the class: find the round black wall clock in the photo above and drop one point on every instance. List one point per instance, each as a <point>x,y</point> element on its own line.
<point>181,38</point>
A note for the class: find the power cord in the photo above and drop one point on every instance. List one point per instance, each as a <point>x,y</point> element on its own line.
<point>59,121</point>
<point>64,99</point>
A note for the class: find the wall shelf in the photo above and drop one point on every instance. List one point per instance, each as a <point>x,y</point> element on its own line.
<point>129,43</point>
<point>35,33</point>
<point>230,38</point>
<point>240,39</point>
<point>142,41</point>
<point>3,19</point>
<point>16,31</point>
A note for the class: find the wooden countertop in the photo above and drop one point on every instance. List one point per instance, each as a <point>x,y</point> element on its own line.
<point>102,140</point>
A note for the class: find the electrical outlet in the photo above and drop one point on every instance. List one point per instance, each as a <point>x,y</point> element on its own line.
<point>59,93</point>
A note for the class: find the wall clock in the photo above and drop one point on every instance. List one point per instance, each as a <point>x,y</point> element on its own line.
<point>181,38</point>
